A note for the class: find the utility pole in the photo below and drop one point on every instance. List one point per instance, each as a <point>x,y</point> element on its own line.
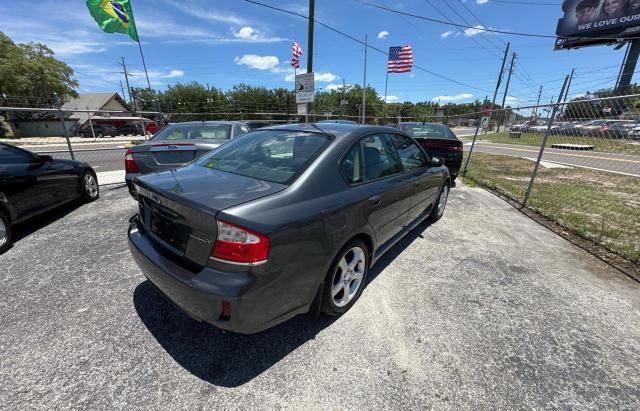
<point>535,109</point>
<point>506,89</point>
<point>364,82</point>
<point>566,93</point>
<point>495,93</point>
<point>132,98</point>
<point>312,8</point>
<point>124,96</point>
<point>126,78</point>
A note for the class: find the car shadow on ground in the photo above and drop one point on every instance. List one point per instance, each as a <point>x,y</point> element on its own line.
<point>30,226</point>
<point>227,359</point>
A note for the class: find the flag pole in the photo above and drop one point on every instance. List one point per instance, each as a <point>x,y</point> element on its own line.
<point>144,64</point>
<point>386,81</point>
<point>364,82</point>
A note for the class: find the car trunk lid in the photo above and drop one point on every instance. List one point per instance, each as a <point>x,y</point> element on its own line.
<point>178,207</point>
<point>163,155</point>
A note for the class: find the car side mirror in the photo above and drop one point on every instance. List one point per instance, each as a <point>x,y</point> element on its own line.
<point>45,159</point>
<point>437,162</point>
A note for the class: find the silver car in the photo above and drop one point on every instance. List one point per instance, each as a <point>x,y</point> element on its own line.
<point>178,144</point>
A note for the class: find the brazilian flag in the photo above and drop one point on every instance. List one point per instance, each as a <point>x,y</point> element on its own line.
<point>113,16</point>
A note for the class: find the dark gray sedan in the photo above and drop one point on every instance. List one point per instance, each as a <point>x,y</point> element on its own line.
<point>282,221</point>
<point>177,144</point>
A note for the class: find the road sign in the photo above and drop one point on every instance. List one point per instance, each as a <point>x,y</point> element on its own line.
<point>302,108</point>
<point>484,122</point>
<point>305,88</point>
<point>485,110</point>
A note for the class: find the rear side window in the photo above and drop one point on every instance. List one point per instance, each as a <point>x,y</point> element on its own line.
<point>379,157</point>
<point>271,155</point>
<point>351,166</point>
<point>194,132</point>
<point>9,155</point>
<point>428,131</point>
<point>411,156</point>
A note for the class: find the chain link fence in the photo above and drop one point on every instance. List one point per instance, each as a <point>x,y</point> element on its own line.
<point>577,163</point>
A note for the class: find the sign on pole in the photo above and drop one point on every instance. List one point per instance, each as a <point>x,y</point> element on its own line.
<point>305,88</point>
<point>302,109</point>
<point>484,122</point>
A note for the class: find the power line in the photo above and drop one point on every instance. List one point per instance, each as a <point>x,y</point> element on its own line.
<point>378,6</point>
<point>360,42</point>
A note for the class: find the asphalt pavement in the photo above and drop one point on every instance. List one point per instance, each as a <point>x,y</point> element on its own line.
<point>613,162</point>
<point>484,309</point>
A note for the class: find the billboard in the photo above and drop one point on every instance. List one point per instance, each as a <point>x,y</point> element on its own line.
<point>593,22</point>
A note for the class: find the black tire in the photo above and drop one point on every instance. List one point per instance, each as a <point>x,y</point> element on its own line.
<point>100,135</point>
<point>437,212</point>
<point>89,186</point>
<point>329,305</point>
<point>5,233</point>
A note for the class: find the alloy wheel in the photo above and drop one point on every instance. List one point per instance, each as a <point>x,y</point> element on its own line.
<point>348,277</point>
<point>90,185</point>
<point>442,202</point>
<point>3,233</point>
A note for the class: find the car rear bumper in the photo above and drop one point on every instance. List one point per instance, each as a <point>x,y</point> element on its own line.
<point>201,294</point>
<point>128,178</point>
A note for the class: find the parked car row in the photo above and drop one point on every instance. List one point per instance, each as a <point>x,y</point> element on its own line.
<point>592,128</point>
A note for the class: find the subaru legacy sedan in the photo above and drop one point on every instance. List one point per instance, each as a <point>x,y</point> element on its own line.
<point>282,221</point>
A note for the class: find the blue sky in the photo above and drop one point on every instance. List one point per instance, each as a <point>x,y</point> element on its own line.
<point>225,42</point>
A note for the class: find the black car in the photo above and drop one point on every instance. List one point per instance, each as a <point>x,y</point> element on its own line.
<point>99,130</point>
<point>32,184</point>
<point>281,220</point>
<point>130,130</point>
<point>439,141</point>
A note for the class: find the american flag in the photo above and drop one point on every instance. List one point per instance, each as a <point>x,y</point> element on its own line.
<point>400,59</point>
<point>297,52</point>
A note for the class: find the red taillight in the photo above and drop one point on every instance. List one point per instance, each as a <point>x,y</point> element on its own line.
<point>129,163</point>
<point>239,245</point>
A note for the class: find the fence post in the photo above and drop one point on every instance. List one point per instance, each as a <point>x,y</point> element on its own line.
<point>544,142</point>
<point>93,133</point>
<point>64,126</point>
<point>473,143</point>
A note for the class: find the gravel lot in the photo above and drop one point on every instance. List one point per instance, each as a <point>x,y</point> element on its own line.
<point>482,310</point>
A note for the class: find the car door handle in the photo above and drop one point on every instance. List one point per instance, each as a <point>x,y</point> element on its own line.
<point>375,201</point>
<point>6,179</point>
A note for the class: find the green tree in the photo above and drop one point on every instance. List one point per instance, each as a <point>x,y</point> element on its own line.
<point>31,71</point>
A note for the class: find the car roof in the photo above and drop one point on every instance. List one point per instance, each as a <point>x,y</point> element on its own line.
<point>195,123</point>
<point>419,123</point>
<point>335,129</point>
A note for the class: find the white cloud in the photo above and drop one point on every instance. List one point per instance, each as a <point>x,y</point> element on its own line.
<point>383,34</point>
<point>446,34</point>
<point>457,97</point>
<point>482,1</point>
<point>258,62</point>
<point>321,77</point>
<point>246,33</point>
<point>249,34</point>
<point>390,99</point>
<point>475,30</point>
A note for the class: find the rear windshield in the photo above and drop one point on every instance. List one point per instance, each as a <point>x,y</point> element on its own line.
<point>428,131</point>
<point>271,155</point>
<point>194,132</point>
